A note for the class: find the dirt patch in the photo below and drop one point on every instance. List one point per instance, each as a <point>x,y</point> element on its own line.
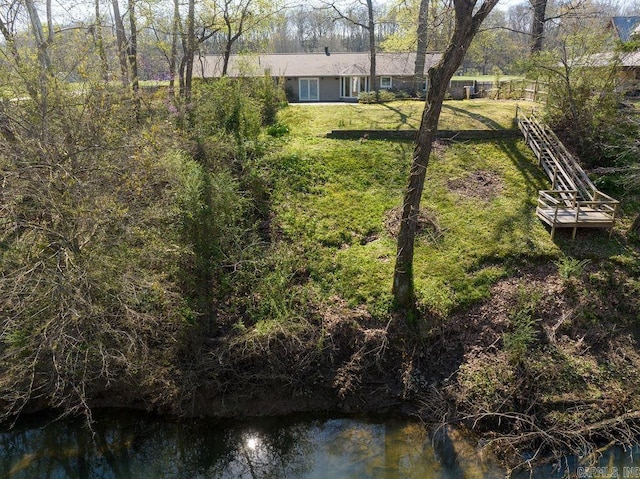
<point>439,147</point>
<point>571,387</point>
<point>481,184</point>
<point>428,225</point>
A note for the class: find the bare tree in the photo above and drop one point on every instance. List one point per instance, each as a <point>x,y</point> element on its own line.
<point>189,49</point>
<point>370,28</point>
<point>235,16</point>
<point>537,24</point>
<point>121,42</point>
<point>99,41</point>
<point>8,19</point>
<point>422,40</point>
<point>132,49</point>
<point>468,19</point>
<point>42,43</point>
<point>196,33</point>
<point>176,32</point>
<point>569,11</point>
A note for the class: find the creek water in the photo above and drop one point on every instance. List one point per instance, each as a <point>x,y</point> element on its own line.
<point>128,444</point>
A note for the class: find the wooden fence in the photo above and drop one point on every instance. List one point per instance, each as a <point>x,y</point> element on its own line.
<point>499,90</point>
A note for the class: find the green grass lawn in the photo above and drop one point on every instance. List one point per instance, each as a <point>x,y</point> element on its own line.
<point>333,199</point>
<point>318,119</point>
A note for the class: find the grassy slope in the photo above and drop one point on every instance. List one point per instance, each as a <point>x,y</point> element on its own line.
<point>335,196</point>
<point>553,350</point>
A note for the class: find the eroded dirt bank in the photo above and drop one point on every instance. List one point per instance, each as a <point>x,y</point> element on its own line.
<point>548,363</point>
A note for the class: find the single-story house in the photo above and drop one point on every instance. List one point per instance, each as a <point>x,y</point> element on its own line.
<point>322,77</point>
<point>624,29</point>
<point>627,66</point>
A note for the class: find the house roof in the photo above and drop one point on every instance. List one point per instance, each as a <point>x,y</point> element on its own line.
<point>627,60</point>
<point>314,64</point>
<point>631,59</point>
<point>624,27</point>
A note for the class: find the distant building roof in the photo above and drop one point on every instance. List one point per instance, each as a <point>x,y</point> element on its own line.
<point>314,64</point>
<point>624,27</point>
<point>631,59</point>
<point>627,60</point>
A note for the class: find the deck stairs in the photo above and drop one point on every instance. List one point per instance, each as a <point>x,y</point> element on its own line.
<point>573,200</point>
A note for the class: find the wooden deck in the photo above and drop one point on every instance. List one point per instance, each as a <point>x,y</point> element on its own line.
<point>573,200</point>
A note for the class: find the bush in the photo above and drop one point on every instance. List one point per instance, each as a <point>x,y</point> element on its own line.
<point>236,107</point>
<point>569,267</point>
<point>382,97</point>
<point>523,318</point>
<point>584,101</point>
<point>271,98</point>
<point>92,252</point>
<point>225,106</point>
<point>277,130</point>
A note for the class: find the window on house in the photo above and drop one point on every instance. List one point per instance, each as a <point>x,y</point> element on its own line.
<point>385,82</point>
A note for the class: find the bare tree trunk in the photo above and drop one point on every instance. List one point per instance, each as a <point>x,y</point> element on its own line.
<point>132,51</point>
<point>372,48</point>
<point>421,49</point>
<point>99,39</point>
<point>173,60</point>
<point>226,55</point>
<point>466,26</point>
<point>121,42</point>
<point>41,42</point>
<point>132,54</point>
<point>190,51</point>
<point>537,25</point>
<point>181,74</point>
<point>49,23</point>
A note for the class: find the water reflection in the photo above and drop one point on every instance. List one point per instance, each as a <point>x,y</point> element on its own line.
<point>131,445</point>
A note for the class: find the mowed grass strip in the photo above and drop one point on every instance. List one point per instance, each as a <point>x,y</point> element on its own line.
<point>318,119</point>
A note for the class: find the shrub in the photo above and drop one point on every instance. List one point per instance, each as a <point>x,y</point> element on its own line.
<point>271,97</point>
<point>225,106</point>
<point>92,252</point>
<point>523,318</point>
<point>569,267</point>
<point>382,97</point>
<point>584,100</point>
<point>278,130</point>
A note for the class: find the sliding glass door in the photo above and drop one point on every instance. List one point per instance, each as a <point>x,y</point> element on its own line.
<point>309,89</point>
<point>350,87</point>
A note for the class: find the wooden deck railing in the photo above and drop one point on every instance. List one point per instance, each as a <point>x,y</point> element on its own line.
<point>573,200</point>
